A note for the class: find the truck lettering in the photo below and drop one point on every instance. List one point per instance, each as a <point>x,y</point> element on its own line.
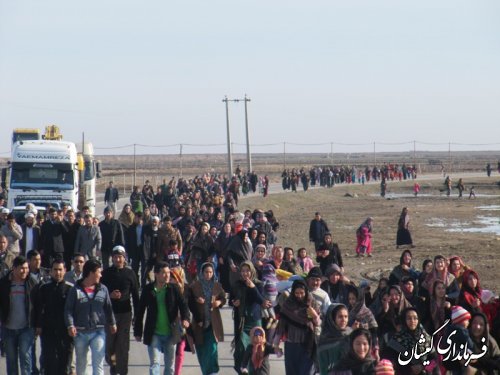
<point>43,157</point>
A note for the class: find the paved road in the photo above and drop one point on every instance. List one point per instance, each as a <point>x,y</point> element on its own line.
<point>139,361</point>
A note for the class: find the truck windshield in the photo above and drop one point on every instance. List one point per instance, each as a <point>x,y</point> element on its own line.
<point>42,176</point>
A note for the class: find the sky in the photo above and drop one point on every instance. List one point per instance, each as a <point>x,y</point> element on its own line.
<point>321,75</point>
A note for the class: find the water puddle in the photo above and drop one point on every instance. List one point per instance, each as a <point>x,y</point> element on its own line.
<point>492,207</point>
<point>410,195</point>
<point>402,195</point>
<point>482,224</point>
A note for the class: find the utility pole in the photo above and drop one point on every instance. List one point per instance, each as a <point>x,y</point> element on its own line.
<point>414,153</point>
<point>135,165</point>
<point>249,155</point>
<point>331,151</point>
<point>449,157</point>
<point>374,155</point>
<point>180,159</point>
<point>229,156</point>
<point>284,155</point>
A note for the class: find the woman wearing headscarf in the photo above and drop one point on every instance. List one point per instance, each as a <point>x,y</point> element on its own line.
<point>404,268</point>
<point>358,360</point>
<point>439,308</point>
<point>470,294</point>
<point>403,236</point>
<point>239,250</point>
<point>205,298</point>
<point>335,285</point>
<point>256,357</point>
<point>334,339</point>
<point>427,268</point>
<point>221,245</point>
<point>247,300</point>
<point>278,260</point>
<point>412,337</point>
<point>457,268</point>
<point>376,304</point>
<point>298,319</point>
<point>361,316</point>
<point>489,363</point>
<point>329,253</point>
<point>202,247</point>
<point>259,259</point>
<point>126,217</point>
<point>389,318</point>
<point>440,272</point>
<point>364,238</point>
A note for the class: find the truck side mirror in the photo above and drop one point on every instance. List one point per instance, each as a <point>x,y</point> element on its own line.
<point>98,168</point>
<point>3,184</point>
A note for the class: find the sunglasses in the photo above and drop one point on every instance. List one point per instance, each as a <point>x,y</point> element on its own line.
<point>258,333</point>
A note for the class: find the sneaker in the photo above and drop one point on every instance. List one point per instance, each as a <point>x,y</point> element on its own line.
<point>358,255</point>
<point>369,255</point>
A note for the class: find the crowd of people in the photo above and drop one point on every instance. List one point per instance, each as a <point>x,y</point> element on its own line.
<point>171,260</point>
<point>328,176</point>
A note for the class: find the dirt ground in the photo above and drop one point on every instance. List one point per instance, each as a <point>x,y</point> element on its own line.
<point>344,214</point>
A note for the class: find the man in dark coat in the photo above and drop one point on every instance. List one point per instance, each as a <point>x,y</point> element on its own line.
<point>317,230</point>
<point>111,196</point>
<point>111,234</point>
<point>51,241</point>
<point>159,331</point>
<point>50,298</point>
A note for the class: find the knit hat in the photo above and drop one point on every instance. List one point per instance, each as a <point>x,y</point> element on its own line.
<point>333,268</point>
<point>384,367</point>
<point>315,272</point>
<point>459,315</point>
<point>119,250</point>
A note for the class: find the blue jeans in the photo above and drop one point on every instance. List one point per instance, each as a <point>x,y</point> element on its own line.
<point>18,347</point>
<point>94,340</point>
<point>159,344</point>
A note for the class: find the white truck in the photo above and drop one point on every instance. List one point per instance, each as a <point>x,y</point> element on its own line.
<point>43,172</point>
<point>51,171</point>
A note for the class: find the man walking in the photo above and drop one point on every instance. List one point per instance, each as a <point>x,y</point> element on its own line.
<point>134,244</point>
<point>88,239</point>
<point>111,234</point>
<point>14,233</point>
<point>86,314</point>
<point>317,230</point>
<point>163,302</point>
<point>57,345</point>
<point>52,243</point>
<point>111,196</point>
<point>123,288</point>
<point>16,316</point>
<point>31,234</point>
<point>76,273</point>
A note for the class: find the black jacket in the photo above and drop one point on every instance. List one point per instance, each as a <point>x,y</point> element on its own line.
<point>36,238</point>
<point>50,300</point>
<point>51,241</point>
<point>317,235</point>
<point>112,235</point>
<point>126,282</point>
<point>174,301</point>
<point>111,195</point>
<point>131,241</point>
<point>5,284</point>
